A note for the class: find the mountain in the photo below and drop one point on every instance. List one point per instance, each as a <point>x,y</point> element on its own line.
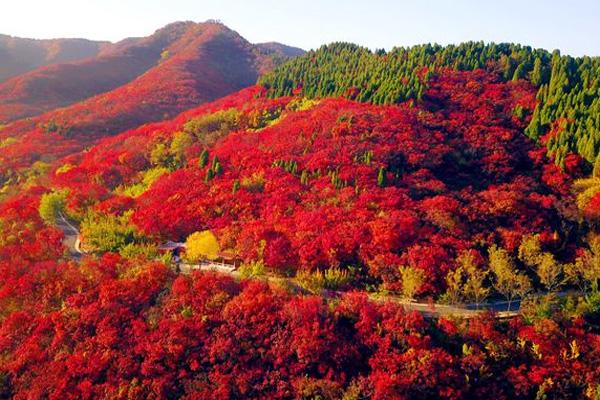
<point>314,197</point>
<point>344,221</point>
<point>280,49</point>
<point>54,86</point>
<point>20,55</point>
<point>179,67</point>
<point>333,181</point>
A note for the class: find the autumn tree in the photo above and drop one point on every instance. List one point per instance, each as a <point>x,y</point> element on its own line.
<point>51,204</point>
<point>201,245</point>
<point>180,143</point>
<point>412,281</point>
<point>585,271</point>
<point>545,265</point>
<point>454,285</point>
<point>508,281</point>
<point>106,232</point>
<point>209,128</point>
<point>160,156</point>
<point>474,286</point>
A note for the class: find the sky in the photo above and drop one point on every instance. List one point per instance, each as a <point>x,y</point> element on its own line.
<point>571,26</point>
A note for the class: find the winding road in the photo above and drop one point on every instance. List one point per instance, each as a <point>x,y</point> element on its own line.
<point>72,242</point>
<point>72,239</point>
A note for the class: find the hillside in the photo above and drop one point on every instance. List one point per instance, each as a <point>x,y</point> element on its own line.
<point>21,55</point>
<point>567,117</point>
<point>344,185</point>
<point>195,63</point>
<point>370,194</point>
<point>336,182</point>
<point>59,85</point>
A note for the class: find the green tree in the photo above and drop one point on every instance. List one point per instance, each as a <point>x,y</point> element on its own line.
<point>203,159</point>
<point>51,204</point>
<point>381,179</point>
<point>536,73</point>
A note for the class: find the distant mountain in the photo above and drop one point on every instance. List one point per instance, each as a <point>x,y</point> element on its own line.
<point>18,55</point>
<point>281,49</point>
<point>133,82</point>
<point>50,87</point>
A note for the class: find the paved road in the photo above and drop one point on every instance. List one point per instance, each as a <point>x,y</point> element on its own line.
<point>71,240</point>
<point>462,310</point>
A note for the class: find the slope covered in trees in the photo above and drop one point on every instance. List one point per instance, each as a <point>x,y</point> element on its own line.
<point>20,55</point>
<point>114,328</point>
<point>303,185</point>
<point>59,85</point>
<point>196,63</point>
<point>442,198</point>
<point>128,327</point>
<point>568,110</point>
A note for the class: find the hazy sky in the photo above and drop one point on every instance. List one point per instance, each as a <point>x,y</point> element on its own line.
<point>573,26</point>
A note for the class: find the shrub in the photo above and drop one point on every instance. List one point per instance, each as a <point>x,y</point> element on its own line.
<point>134,250</point>
<point>315,282</point>
<point>108,232</point>
<point>254,183</point>
<point>51,204</point>
<point>212,127</point>
<point>253,269</point>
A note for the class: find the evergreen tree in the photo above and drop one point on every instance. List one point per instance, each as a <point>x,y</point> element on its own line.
<point>381,179</point>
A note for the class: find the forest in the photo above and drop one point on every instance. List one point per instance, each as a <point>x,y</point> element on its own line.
<point>566,117</point>
<point>344,185</point>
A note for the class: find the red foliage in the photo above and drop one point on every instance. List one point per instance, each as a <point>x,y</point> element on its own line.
<point>458,175</point>
<point>133,82</point>
<point>455,177</point>
<point>105,328</point>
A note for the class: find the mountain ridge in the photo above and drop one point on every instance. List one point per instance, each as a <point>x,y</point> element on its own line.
<point>116,64</point>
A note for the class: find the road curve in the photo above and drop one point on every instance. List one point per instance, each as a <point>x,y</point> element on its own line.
<point>72,239</point>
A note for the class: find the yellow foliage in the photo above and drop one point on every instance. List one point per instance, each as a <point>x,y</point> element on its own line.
<point>315,282</point>
<point>64,168</point>
<point>302,104</point>
<point>412,280</point>
<point>254,183</point>
<point>201,245</point>
<point>148,177</point>
<point>586,189</point>
<point>8,141</point>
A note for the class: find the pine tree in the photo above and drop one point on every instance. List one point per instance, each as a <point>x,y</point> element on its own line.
<point>203,160</point>
<point>536,73</point>
<point>381,179</point>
